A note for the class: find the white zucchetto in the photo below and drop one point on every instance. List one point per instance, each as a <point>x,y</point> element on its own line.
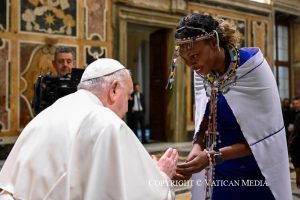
<point>101,67</point>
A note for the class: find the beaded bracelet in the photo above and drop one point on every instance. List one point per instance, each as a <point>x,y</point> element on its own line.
<point>209,157</point>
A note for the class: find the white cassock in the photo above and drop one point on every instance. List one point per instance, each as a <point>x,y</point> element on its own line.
<point>78,149</point>
<point>255,103</point>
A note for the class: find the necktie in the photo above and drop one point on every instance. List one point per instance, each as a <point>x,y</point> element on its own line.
<point>138,102</point>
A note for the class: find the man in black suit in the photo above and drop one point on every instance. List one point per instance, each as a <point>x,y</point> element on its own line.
<point>136,111</point>
<point>286,113</point>
<point>295,140</point>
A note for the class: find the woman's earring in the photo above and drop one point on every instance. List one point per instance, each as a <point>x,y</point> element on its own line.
<point>218,41</point>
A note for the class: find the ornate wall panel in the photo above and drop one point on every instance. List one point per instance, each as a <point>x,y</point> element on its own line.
<point>49,17</point>
<point>153,4</point>
<point>4,13</point>
<point>296,45</point>
<point>35,59</point>
<point>296,80</point>
<point>4,84</point>
<point>179,5</point>
<point>259,34</point>
<point>175,6</point>
<point>96,11</point>
<point>92,53</point>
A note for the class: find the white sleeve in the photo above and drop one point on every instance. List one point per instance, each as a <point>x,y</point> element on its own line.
<point>5,196</point>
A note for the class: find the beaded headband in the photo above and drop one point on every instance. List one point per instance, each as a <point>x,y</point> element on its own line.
<point>202,36</point>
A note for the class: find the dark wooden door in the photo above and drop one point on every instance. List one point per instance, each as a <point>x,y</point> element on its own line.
<point>158,80</point>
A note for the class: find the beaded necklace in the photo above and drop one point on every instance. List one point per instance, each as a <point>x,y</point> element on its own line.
<point>220,82</point>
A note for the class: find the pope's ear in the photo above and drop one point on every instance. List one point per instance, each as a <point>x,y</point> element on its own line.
<point>113,90</point>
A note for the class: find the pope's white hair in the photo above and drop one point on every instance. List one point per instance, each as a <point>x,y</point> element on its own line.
<point>100,84</point>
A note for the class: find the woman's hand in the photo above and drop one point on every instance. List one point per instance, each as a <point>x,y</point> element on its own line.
<point>167,162</point>
<point>197,160</point>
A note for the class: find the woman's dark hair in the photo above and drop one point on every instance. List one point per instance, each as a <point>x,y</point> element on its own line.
<point>206,22</point>
<point>227,32</point>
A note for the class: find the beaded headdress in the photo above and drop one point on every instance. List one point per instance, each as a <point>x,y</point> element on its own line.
<point>189,44</point>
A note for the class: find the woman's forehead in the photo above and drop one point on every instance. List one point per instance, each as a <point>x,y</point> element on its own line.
<point>190,48</point>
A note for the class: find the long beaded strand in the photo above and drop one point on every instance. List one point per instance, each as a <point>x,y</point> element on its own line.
<point>211,138</point>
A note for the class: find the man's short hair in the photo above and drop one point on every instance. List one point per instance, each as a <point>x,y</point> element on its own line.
<point>63,49</point>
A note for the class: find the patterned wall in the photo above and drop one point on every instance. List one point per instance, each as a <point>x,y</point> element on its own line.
<point>296,45</point>
<point>4,84</point>
<point>171,6</point>
<point>95,20</point>
<point>3,15</point>
<point>30,41</point>
<point>259,35</point>
<point>36,60</point>
<point>92,52</point>
<point>296,71</point>
<point>49,17</point>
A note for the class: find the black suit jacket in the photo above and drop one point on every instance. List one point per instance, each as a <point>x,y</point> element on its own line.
<point>131,103</point>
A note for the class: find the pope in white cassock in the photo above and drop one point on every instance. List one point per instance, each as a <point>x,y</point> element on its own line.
<point>80,148</point>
